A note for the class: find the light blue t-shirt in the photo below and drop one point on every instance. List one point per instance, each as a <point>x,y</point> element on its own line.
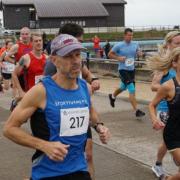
<point>129,50</point>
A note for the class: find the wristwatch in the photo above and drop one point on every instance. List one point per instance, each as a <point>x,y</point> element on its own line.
<point>97,124</point>
<point>93,79</point>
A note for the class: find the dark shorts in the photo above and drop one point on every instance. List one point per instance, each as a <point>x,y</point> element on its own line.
<point>80,175</point>
<point>6,76</point>
<point>126,76</point>
<point>22,81</point>
<point>171,138</point>
<point>171,144</point>
<point>89,133</point>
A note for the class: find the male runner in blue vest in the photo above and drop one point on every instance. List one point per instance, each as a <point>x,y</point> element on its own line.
<point>66,102</point>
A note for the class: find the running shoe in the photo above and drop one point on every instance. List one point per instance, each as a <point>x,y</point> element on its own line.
<point>139,113</point>
<point>163,177</point>
<point>158,170</point>
<point>112,100</point>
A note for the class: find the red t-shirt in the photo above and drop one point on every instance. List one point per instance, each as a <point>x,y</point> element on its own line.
<point>96,42</point>
<point>22,50</point>
<point>35,70</point>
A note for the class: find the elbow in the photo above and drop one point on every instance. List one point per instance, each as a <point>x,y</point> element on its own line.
<point>110,55</point>
<point>153,88</point>
<point>6,131</point>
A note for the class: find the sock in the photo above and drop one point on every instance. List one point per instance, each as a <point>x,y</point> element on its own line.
<point>113,96</point>
<point>158,163</point>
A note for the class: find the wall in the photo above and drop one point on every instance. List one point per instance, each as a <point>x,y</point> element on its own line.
<point>111,69</point>
<point>16,17</point>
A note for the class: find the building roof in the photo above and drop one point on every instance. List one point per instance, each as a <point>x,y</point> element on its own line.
<point>70,8</point>
<point>18,2</point>
<point>113,1</point>
<point>67,8</point>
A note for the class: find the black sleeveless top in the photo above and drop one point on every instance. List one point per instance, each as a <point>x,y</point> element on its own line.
<point>172,128</point>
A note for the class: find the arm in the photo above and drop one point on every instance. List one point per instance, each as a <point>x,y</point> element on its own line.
<point>155,85</point>
<point>90,78</point>
<point>11,52</point>
<point>24,62</point>
<point>33,99</point>
<point>1,59</point>
<point>103,131</point>
<point>162,93</point>
<point>113,55</point>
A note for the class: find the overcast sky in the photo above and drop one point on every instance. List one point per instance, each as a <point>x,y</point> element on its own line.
<point>152,12</point>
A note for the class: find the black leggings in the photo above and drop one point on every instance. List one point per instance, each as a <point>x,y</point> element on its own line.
<point>80,175</point>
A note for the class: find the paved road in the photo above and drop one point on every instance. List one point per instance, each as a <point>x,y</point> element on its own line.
<point>128,156</point>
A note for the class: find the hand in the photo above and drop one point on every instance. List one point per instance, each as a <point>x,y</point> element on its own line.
<point>157,124</point>
<point>104,133</point>
<point>21,94</point>
<point>95,85</point>
<point>140,53</point>
<point>122,58</point>
<point>56,151</point>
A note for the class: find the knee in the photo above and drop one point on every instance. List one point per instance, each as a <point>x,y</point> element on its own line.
<point>131,88</point>
<point>177,162</point>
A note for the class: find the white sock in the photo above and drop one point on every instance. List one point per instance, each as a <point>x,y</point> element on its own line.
<point>113,96</point>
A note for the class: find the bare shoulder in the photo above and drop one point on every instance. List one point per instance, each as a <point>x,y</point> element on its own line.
<point>36,96</point>
<point>14,48</point>
<point>168,85</point>
<point>24,60</point>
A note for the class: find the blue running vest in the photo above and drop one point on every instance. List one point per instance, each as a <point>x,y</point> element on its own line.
<point>67,116</point>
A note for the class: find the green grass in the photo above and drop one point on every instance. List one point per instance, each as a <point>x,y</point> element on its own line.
<point>152,34</point>
<point>140,35</point>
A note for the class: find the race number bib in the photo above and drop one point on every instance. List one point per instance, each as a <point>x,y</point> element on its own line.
<point>8,67</point>
<point>74,121</point>
<point>38,78</point>
<point>129,62</point>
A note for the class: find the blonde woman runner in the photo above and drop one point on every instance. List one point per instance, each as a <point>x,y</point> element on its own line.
<point>170,91</point>
<point>171,41</point>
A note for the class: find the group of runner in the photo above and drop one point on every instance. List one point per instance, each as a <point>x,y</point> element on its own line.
<point>59,104</point>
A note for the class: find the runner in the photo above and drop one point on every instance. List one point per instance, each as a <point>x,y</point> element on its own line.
<point>171,41</point>
<point>170,92</point>
<point>22,47</point>
<point>7,68</point>
<point>125,52</point>
<point>65,100</point>
<point>77,31</point>
<point>33,65</point>
<point>96,45</point>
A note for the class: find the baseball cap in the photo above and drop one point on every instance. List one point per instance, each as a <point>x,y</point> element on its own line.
<point>64,44</point>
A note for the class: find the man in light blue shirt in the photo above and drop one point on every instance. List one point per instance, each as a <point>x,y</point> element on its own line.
<point>125,52</point>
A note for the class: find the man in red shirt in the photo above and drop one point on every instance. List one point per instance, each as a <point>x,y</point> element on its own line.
<point>22,47</point>
<point>96,45</point>
<point>33,63</point>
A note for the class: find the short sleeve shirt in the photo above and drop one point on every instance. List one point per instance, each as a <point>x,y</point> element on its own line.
<point>129,50</point>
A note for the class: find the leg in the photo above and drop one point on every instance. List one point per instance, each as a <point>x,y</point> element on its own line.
<point>162,150</point>
<point>117,92</point>
<point>176,158</point>
<point>158,168</point>
<point>6,84</point>
<point>89,153</point>
<point>89,157</point>
<point>112,97</point>
<point>133,101</point>
<point>132,98</point>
